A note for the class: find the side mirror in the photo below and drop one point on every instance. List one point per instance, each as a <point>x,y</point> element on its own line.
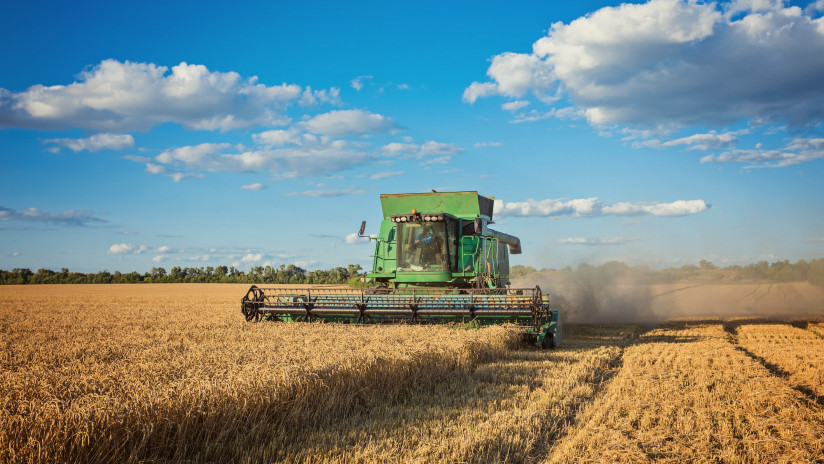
<point>362,228</point>
<point>479,226</point>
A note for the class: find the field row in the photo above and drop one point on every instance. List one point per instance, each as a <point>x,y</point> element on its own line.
<point>685,393</point>
<point>797,353</point>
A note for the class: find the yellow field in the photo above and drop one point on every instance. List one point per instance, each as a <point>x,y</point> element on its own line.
<point>172,372</point>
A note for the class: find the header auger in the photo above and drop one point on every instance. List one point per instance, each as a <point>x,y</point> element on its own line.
<point>436,261</point>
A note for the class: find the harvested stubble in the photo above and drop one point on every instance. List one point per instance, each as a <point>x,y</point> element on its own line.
<point>88,374</point>
<point>798,353</point>
<point>685,394</point>
<point>818,328</point>
<point>507,410</point>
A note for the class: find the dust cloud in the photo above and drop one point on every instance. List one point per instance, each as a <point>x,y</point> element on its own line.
<point>603,295</point>
<point>594,296</point>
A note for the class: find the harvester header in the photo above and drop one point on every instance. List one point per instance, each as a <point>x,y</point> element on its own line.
<point>435,260</point>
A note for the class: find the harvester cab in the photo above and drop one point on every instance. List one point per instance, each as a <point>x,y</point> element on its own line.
<point>435,261</point>
<point>440,240</point>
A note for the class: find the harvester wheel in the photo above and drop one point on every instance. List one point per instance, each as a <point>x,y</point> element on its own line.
<point>251,312</point>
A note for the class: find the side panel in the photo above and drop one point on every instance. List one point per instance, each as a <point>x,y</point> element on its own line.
<point>384,259</point>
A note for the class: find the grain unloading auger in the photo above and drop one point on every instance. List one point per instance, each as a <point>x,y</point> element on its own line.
<point>435,261</point>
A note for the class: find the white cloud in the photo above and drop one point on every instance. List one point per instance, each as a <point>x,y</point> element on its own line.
<point>400,149</point>
<point>487,144</point>
<point>568,112</point>
<point>596,241</point>
<point>252,257</point>
<point>814,7</point>
<point>193,154</point>
<point>314,156</point>
<point>126,249</point>
<point>357,83</point>
<point>430,148</point>
<point>253,187</point>
<point>173,174</point>
<point>126,96</point>
<point>478,90</point>
<point>312,97</point>
<point>514,105</point>
<point>130,249</point>
<point>676,208</point>
<point>276,137</point>
<point>324,192</point>
<point>160,258</point>
<point>703,142</point>
<point>385,174</point>
<point>799,150</point>
<point>594,207</point>
<point>675,63</point>
<point>354,239</point>
<point>94,143</point>
<point>341,123</point>
<point>427,149</point>
<point>68,218</point>
<point>438,160</point>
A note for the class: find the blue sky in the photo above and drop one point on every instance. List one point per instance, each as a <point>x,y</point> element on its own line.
<point>202,133</point>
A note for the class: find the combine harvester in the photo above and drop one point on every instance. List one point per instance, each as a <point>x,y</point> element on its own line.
<point>436,261</point>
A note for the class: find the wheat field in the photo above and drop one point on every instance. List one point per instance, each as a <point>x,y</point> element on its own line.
<point>172,373</point>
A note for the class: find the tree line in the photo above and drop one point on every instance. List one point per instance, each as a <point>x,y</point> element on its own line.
<point>778,271</point>
<point>282,274</point>
<point>707,272</point>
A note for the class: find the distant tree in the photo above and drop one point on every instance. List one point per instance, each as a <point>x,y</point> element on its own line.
<point>158,272</point>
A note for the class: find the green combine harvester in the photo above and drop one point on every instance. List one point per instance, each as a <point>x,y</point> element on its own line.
<point>436,261</point>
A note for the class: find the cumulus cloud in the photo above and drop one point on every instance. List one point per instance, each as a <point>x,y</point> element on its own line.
<point>252,257</point>
<point>354,239</point>
<point>349,122</point>
<point>276,137</point>
<point>675,63</point>
<point>126,249</point>
<point>515,105</point>
<point>127,96</point>
<point>66,218</point>
<point>799,150</point>
<point>94,143</point>
<point>594,207</point>
<point>313,97</point>
<point>314,156</point>
<point>253,187</point>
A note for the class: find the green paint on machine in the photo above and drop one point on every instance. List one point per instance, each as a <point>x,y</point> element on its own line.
<point>435,261</point>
